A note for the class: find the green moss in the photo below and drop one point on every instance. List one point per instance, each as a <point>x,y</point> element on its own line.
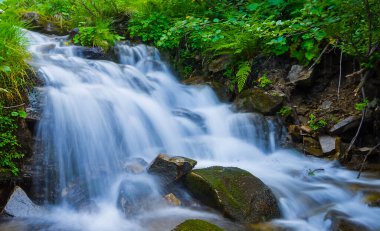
<point>197,225</point>
<point>234,192</point>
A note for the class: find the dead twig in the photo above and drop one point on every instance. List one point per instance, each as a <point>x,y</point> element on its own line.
<point>15,106</point>
<point>319,57</point>
<point>340,72</point>
<point>365,159</point>
<point>356,73</point>
<point>358,131</point>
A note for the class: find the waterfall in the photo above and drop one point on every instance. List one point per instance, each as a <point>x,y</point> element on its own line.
<point>98,114</point>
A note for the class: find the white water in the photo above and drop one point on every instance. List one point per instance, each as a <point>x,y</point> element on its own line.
<point>99,113</point>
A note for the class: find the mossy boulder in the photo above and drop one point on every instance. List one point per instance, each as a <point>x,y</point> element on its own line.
<point>236,193</point>
<point>258,100</point>
<point>44,24</point>
<point>197,225</point>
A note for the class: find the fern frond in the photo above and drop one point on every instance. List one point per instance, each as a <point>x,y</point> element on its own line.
<point>242,74</point>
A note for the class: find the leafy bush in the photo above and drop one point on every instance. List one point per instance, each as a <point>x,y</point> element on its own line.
<point>9,145</point>
<point>98,35</point>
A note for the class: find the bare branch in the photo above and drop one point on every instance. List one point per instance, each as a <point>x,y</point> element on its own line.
<point>365,159</point>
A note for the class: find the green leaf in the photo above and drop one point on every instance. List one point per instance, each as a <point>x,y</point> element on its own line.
<point>5,69</point>
<point>22,114</point>
<point>14,113</point>
<point>242,74</point>
<point>253,6</point>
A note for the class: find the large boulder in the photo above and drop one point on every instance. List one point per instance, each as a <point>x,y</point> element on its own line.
<point>170,169</point>
<point>258,100</point>
<point>19,205</point>
<point>197,225</point>
<point>235,192</point>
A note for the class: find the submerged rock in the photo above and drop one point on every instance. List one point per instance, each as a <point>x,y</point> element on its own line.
<point>197,225</point>
<point>133,196</point>
<point>170,169</point>
<point>171,199</point>
<point>258,100</point>
<point>266,227</point>
<point>235,192</point>
<point>20,205</point>
<point>135,165</point>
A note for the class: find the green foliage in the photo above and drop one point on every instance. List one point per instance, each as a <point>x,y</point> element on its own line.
<point>285,111</point>
<point>263,81</point>
<point>298,29</point>
<point>242,74</point>
<point>362,105</point>
<point>9,145</point>
<point>315,123</point>
<point>13,77</point>
<point>98,35</point>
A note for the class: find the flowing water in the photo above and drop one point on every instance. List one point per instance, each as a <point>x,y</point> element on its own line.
<point>98,114</point>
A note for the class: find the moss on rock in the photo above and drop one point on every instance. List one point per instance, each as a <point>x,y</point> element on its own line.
<point>197,225</point>
<point>235,192</point>
<point>258,100</point>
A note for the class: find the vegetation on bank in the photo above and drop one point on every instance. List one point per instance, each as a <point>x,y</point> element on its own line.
<point>13,84</point>
<point>194,33</point>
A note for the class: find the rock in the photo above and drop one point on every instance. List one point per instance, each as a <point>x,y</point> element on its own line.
<point>135,165</point>
<point>326,105</point>
<point>19,205</point>
<point>300,76</point>
<point>73,32</point>
<point>340,221</point>
<point>197,225</point>
<point>221,90</point>
<point>295,132</point>
<point>266,227</point>
<point>96,53</point>
<point>171,199</point>
<point>220,63</point>
<point>373,199</point>
<point>345,125</point>
<point>43,24</point>
<point>76,194</point>
<point>258,100</point>
<point>134,196</point>
<point>327,144</point>
<point>235,192</point>
<point>312,146</point>
<point>170,169</point>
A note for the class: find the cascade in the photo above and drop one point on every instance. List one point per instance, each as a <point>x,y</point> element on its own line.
<point>97,114</point>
